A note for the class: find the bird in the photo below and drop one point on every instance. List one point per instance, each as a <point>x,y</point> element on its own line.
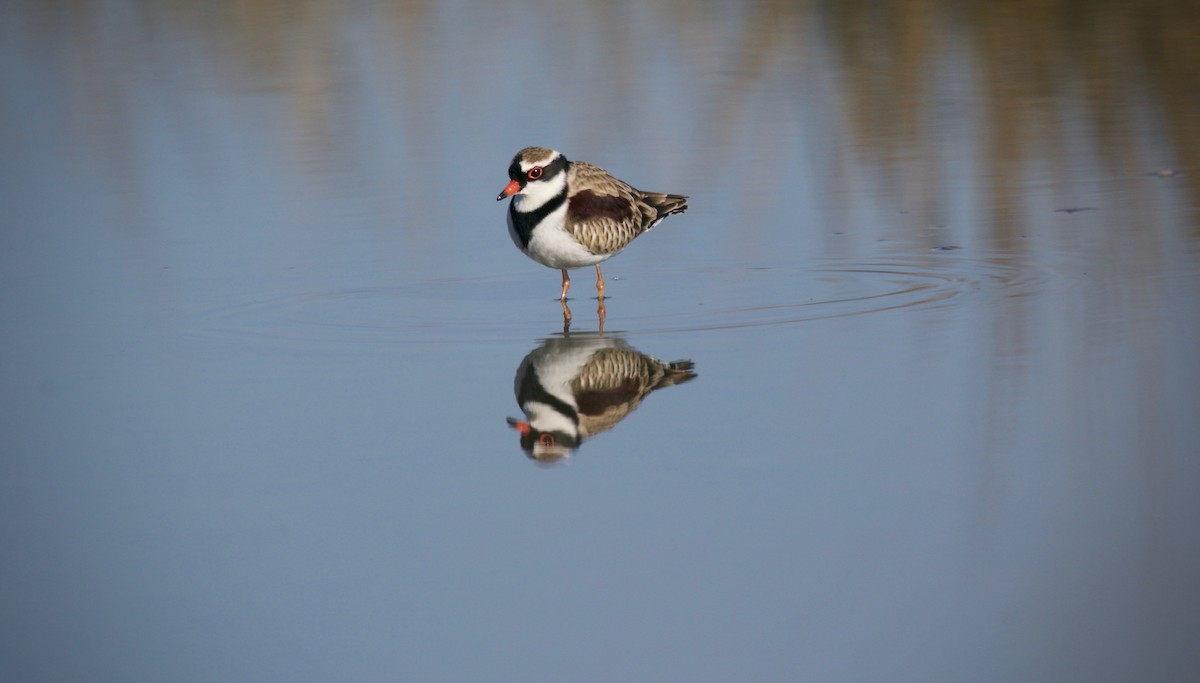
<point>572,388</point>
<point>569,214</point>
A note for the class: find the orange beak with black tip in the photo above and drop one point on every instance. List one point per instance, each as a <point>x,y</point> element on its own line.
<point>509,190</point>
<point>522,428</point>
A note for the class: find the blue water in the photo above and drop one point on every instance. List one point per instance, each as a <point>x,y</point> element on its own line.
<point>260,322</point>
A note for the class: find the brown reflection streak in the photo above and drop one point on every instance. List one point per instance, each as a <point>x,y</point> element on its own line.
<point>1030,53</point>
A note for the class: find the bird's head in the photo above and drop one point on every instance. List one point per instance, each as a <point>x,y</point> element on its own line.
<point>535,175</point>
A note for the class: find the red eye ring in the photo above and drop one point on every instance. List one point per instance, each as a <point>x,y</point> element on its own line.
<point>546,439</point>
<point>535,173</point>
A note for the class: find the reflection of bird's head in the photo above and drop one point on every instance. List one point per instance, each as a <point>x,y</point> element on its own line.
<point>544,446</point>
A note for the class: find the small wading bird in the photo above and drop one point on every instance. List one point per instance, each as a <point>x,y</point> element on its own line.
<point>570,214</point>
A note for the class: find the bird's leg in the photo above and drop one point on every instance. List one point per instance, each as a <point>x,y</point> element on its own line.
<point>599,283</point>
<point>600,313</point>
<point>566,319</point>
<point>566,285</point>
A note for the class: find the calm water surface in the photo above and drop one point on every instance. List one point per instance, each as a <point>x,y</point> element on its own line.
<point>262,331</point>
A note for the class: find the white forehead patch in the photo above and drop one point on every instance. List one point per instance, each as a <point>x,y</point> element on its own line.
<point>526,165</point>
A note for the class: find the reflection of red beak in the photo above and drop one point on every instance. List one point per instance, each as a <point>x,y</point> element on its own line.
<point>522,428</point>
<point>509,190</point>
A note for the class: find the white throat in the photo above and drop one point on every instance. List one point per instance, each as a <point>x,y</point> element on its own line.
<point>537,193</point>
<point>545,418</point>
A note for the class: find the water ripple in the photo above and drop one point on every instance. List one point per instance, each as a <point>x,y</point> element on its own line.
<point>483,309</point>
<point>837,288</point>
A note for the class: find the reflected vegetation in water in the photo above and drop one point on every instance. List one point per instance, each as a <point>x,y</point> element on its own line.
<point>574,387</point>
<point>1104,89</point>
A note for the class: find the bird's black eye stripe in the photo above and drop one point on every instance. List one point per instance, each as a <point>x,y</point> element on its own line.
<point>555,167</point>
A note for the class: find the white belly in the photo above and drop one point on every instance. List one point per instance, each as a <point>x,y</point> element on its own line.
<point>551,245</point>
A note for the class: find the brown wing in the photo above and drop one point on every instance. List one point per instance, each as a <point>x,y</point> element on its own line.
<point>615,380</point>
<point>605,214</point>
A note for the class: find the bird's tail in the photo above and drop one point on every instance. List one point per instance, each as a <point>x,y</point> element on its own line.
<point>666,204</point>
<point>677,373</point>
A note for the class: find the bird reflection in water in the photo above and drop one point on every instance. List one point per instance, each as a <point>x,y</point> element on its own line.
<point>572,388</point>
